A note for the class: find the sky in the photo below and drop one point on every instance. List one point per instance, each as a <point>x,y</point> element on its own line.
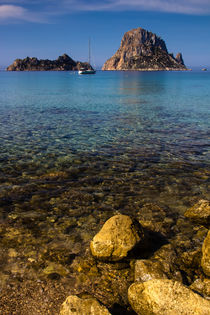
<point>48,28</point>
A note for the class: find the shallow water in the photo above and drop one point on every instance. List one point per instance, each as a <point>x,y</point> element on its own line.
<point>77,149</point>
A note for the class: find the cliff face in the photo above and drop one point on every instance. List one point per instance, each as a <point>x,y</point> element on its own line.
<point>143,50</point>
<point>63,63</point>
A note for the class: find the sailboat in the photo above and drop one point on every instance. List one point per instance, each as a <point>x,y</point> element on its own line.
<point>87,71</point>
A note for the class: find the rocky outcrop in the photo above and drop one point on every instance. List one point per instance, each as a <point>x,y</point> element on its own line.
<point>145,51</point>
<point>199,213</point>
<point>205,261</point>
<point>117,237</point>
<point>62,63</point>
<point>179,59</point>
<point>160,270</point>
<point>74,305</point>
<point>166,297</point>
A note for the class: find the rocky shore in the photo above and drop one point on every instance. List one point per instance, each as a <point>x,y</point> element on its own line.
<point>144,51</point>
<point>153,263</point>
<point>62,63</point>
<point>136,270</point>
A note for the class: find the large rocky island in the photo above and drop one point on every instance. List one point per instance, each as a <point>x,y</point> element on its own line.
<point>144,51</point>
<point>62,63</point>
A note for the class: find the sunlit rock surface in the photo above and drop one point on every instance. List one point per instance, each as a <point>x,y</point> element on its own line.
<point>116,238</point>
<point>143,50</point>
<point>166,297</point>
<point>74,305</point>
<point>205,261</point>
<point>199,213</point>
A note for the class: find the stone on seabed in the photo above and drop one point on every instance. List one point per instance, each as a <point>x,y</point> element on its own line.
<point>205,261</point>
<point>74,305</point>
<point>148,269</point>
<point>117,237</point>
<point>200,212</point>
<point>166,297</point>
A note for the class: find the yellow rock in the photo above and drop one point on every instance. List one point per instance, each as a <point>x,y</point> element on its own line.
<point>166,297</point>
<point>74,305</point>
<point>200,212</point>
<point>12,253</point>
<point>205,261</point>
<point>118,235</point>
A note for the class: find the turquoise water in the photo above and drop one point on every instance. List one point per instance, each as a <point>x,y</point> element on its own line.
<point>138,120</point>
<point>77,149</point>
<point>54,112</point>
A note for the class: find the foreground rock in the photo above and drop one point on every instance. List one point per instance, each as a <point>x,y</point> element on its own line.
<point>202,286</point>
<point>108,282</point>
<point>145,51</point>
<point>166,297</point>
<point>205,261</point>
<point>63,63</point>
<point>199,213</point>
<point>117,237</point>
<point>74,305</point>
<point>146,270</point>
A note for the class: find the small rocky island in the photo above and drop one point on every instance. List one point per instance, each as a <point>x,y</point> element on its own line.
<point>62,63</point>
<point>144,51</point>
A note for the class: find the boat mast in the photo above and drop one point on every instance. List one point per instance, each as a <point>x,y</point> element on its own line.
<point>89,51</point>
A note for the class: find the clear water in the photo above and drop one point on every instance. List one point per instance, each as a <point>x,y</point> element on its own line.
<point>56,111</point>
<point>74,150</point>
<point>130,117</point>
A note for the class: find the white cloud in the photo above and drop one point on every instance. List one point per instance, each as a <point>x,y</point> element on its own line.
<point>173,6</point>
<point>41,11</point>
<point>178,6</point>
<point>10,12</point>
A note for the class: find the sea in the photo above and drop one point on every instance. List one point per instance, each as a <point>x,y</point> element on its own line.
<point>76,149</point>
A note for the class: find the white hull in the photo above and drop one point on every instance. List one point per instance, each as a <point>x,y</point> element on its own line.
<point>86,71</point>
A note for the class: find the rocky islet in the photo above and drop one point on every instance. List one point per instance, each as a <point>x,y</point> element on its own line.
<point>140,50</point>
<point>143,51</point>
<point>62,63</point>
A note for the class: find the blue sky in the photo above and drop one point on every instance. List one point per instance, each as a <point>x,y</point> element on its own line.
<point>49,28</point>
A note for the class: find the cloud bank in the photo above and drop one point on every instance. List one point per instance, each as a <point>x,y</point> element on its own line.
<point>42,11</point>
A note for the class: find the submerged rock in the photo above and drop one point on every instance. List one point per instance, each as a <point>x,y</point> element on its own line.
<point>108,282</point>
<point>117,237</point>
<point>54,269</point>
<point>166,297</point>
<point>167,257</point>
<point>202,286</point>
<point>199,213</point>
<point>205,261</point>
<point>146,270</point>
<point>74,305</point>
<point>145,51</point>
